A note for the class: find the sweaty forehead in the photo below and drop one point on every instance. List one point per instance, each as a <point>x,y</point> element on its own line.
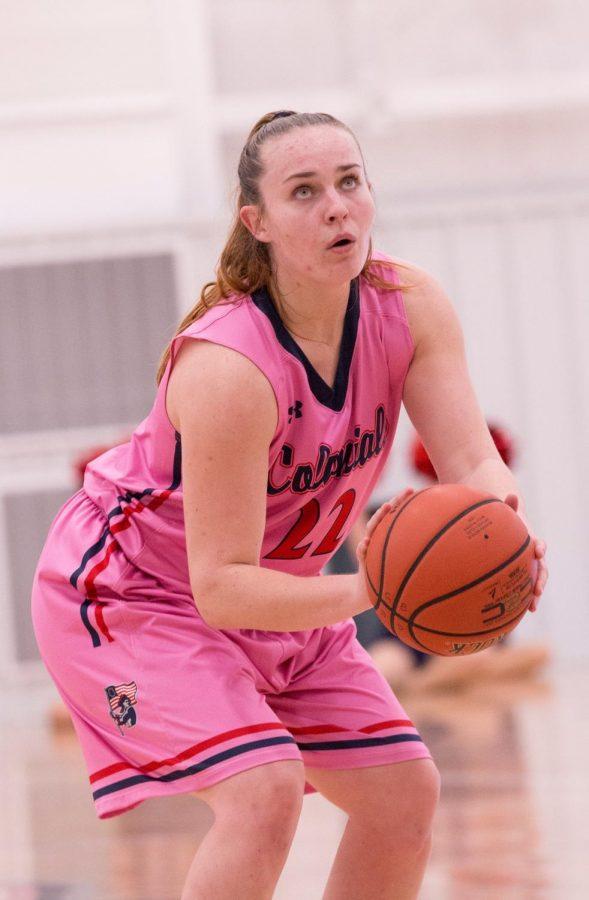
<point>311,149</point>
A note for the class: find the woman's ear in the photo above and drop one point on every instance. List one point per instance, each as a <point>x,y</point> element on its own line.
<point>252,219</point>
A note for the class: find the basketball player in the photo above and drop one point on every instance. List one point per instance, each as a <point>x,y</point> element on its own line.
<point>186,573</point>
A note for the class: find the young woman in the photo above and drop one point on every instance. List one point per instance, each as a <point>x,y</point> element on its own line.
<point>183,581</point>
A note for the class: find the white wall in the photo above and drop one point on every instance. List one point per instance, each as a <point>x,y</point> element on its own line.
<point>121,124</point>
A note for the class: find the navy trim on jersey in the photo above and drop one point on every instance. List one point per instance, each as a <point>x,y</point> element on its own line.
<point>86,620</point>
<point>334,397</point>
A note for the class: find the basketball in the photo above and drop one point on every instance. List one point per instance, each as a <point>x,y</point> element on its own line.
<point>450,570</point>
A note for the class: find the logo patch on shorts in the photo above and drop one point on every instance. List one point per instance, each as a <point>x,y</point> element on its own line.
<point>121,700</point>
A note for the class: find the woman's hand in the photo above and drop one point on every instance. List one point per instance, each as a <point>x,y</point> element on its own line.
<point>540,550</point>
<point>363,600</point>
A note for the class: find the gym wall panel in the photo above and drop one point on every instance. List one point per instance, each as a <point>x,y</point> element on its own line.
<point>79,341</point>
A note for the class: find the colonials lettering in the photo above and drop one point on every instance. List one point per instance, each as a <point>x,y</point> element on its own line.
<point>329,464</point>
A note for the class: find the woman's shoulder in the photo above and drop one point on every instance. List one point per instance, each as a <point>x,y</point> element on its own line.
<point>396,269</point>
<point>385,273</point>
<point>230,310</point>
<point>422,293</point>
<point>429,310</point>
<point>220,370</point>
<point>228,341</point>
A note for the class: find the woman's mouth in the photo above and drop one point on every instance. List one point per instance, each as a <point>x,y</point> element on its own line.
<point>342,245</point>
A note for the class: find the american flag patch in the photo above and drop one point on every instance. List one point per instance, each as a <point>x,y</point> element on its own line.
<point>114,692</point>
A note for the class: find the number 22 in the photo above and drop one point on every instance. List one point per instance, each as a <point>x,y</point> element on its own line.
<point>308,517</point>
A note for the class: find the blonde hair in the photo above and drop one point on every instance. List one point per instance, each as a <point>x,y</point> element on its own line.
<point>245,264</point>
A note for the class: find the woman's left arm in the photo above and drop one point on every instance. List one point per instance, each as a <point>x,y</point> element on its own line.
<point>440,400</point>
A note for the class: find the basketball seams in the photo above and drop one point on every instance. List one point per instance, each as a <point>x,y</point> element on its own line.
<point>466,587</point>
<point>466,634</point>
<point>505,626</point>
<point>430,544</point>
<point>379,599</point>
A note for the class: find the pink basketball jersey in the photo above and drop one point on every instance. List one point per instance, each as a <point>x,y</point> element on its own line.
<point>328,451</point>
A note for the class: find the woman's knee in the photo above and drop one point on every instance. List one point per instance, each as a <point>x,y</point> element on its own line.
<point>396,803</point>
<point>266,794</point>
<point>406,819</point>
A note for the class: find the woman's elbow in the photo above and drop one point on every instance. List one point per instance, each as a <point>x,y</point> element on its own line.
<point>205,595</point>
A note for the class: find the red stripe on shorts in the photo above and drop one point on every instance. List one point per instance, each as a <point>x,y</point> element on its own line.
<point>368,729</point>
<point>186,754</point>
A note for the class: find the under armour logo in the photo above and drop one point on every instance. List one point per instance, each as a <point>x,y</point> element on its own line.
<point>295,411</point>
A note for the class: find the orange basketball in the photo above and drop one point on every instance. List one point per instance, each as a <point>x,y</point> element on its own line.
<point>450,570</point>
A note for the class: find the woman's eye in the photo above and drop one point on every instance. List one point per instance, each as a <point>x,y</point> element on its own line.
<point>306,187</point>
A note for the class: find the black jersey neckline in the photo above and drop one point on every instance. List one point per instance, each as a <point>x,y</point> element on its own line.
<point>334,397</point>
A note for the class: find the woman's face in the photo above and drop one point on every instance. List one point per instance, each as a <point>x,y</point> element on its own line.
<point>304,213</point>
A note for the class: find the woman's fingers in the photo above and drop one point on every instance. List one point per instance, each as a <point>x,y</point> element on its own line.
<point>361,549</point>
<point>539,553</point>
<point>380,513</point>
<point>385,508</point>
<point>541,576</point>
<point>541,579</point>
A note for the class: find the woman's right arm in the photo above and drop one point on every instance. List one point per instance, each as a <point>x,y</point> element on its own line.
<point>227,414</point>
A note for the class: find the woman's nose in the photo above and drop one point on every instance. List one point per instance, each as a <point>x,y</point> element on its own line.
<point>335,206</point>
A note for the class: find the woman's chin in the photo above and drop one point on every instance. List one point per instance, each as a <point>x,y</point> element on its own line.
<point>347,266</point>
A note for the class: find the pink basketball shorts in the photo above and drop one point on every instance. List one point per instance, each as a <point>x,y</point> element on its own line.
<point>163,704</point>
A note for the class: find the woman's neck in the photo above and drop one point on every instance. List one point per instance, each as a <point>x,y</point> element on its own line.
<point>313,313</point>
